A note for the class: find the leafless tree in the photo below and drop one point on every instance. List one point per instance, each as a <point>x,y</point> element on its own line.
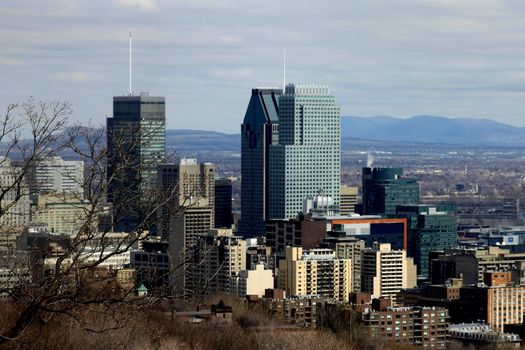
<point>72,276</point>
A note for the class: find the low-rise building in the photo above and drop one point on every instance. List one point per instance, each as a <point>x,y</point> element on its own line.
<point>423,326</point>
<point>253,282</point>
<point>296,310</point>
<point>472,263</point>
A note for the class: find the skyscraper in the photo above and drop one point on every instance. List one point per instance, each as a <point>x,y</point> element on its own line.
<point>187,212</point>
<point>136,145</point>
<point>259,130</point>
<point>385,188</point>
<point>306,159</point>
<point>223,203</point>
<point>188,184</point>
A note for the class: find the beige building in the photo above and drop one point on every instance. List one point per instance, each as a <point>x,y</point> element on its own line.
<point>185,227</point>
<point>348,248</point>
<point>219,256</point>
<point>315,272</point>
<point>15,204</point>
<point>59,176</point>
<point>472,263</point>
<point>254,282</point>
<point>187,184</point>
<point>189,190</point>
<point>498,301</point>
<point>61,214</point>
<point>385,272</point>
<point>348,201</point>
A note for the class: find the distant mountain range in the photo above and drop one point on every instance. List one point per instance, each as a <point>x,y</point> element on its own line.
<point>199,140</point>
<point>431,129</point>
<point>418,129</point>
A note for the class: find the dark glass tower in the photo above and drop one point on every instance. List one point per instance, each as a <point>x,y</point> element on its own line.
<point>432,228</point>
<point>385,188</point>
<point>223,203</point>
<point>259,130</point>
<point>136,146</point>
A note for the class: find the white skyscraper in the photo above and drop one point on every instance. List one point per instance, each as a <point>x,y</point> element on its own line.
<point>307,158</point>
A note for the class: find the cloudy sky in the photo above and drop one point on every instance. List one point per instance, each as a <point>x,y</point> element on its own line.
<point>379,57</point>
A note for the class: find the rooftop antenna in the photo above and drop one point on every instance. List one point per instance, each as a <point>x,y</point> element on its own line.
<point>284,70</point>
<point>130,39</point>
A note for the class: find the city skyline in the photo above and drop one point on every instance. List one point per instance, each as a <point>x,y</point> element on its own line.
<point>398,58</point>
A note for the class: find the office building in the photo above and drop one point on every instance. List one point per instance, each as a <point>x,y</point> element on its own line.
<point>384,272</point>
<point>302,231</point>
<point>432,228</point>
<point>187,213</point>
<point>259,130</point>
<point>15,202</point>
<point>347,248</point>
<point>223,203</point>
<point>348,200</point>
<point>259,254</point>
<point>315,272</point>
<point>62,214</point>
<point>136,146</point>
<point>216,261</point>
<point>497,301</point>
<point>184,185</point>
<point>471,263</point>
<point>383,189</point>
<point>185,227</point>
<point>55,175</point>
<point>372,228</point>
<point>306,159</point>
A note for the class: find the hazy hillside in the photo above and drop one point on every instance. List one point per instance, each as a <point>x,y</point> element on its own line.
<point>198,140</point>
<point>430,129</point>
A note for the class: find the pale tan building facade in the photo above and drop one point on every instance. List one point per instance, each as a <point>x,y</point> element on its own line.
<point>254,282</point>
<point>219,257</point>
<point>315,272</point>
<point>348,195</point>
<point>15,203</point>
<point>385,272</point>
<point>61,214</point>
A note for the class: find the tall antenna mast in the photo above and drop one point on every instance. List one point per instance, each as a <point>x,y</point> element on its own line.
<point>130,93</point>
<point>284,70</point>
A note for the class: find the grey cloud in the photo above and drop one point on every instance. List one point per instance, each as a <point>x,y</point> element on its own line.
<point>399,57</point>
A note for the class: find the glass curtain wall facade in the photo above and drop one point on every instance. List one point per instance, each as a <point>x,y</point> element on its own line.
<point>259,130</point>
<point>306,161</point>
<point>136,146</point>
<point>385,188</point>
